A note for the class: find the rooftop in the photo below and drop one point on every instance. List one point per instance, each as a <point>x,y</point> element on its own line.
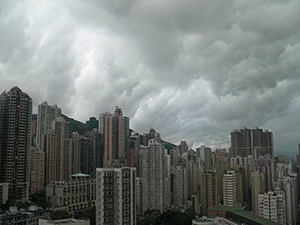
<point>239,211</point>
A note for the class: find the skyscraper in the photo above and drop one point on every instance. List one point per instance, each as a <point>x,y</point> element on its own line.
<point>230,189</point>
<point>208,190</point>
<point>62,130</point>
<point>205,154</point>
<point>241,142</point>
<point>57,146</point>
<point>75,153</point>
<point>153,176</point>
<point>102,121</point>
<point>244,140</point>
<point>263,139</point>
<point>290,186</point>
<point>49,146</point>
<point>258,187</point>
<point>46,114</point>
<point>180,185</point>
<point>115,202</point>
<point>15,130</point>
<point>117,139</point>
<point>37,171</point>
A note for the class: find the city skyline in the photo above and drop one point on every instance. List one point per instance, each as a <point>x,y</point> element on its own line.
<point>194,71</point>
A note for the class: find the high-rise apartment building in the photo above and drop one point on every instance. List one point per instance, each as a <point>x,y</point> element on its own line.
<point>37,171</point>
<point>135,143</point>
<point>50,149</point>
<point>46,114</point>
<point>95,152</point>
<point>208,190</point>
<point>57,146</point>
<point>15,132</point>
<point>151,135</point>
<point>258,187</point>
<point>290,186</point>
<point>117,139</point>
<point>102,121</point>
<point>183,147</point>
<point>75,153</point>
<point>272,206</point>
<point>230,189</point>
<point>244,140</point>
<point>180,186</point>
<point>246,165</point>
<point>263,139</point>
<point>263,164</point>
<point>115,198</point>
<point>62,131</point>
<point>240,184</point>
<point>205,154</point>
<point>221,167</point>
<point>241,142</point>
<point>153,176</point>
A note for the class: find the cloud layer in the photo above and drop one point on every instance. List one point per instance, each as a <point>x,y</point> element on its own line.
<point>194,71</point>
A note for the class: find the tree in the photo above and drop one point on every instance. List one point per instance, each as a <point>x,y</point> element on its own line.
<point>88,213</point>
<point>60,214</point>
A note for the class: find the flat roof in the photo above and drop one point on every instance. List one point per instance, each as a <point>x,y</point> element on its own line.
<point>239,211</point>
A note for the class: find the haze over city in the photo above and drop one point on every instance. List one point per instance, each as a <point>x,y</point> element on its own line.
<point>194,71</point>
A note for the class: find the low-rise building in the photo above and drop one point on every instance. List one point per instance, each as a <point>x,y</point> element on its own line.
<point>78,194</point>
<point>19,217</point>
<point>69,221</point>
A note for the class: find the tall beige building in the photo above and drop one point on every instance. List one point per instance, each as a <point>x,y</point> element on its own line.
<point>37,173</point>
<point>230,189</point>
<point>208,191</point>
<point>62,131</point>
<point>258,187</point>
<point>75,153</point>
<point>58,148</point>
<point>49,146</point>
<point>15,139</point>
<point>116,139</point>
<point>115,197</point>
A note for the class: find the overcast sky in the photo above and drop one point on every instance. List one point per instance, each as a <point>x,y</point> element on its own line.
<point>193,70</point>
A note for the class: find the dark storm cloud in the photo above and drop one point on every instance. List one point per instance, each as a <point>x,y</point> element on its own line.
<point>194,71</point>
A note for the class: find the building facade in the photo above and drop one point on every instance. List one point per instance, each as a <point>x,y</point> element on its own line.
<point>37,173</point>
<point>116,139</point>
<point>46,114</point>
<point>77,194</point>
<point>153,176</point>
<point>15,140</point>
<point>230,189</point>
<point>208,191</point>
<point>258,187</point>
<point>272,206</point>
<point>116,196</point>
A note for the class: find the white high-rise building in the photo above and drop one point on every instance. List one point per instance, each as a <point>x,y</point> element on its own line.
<point>272,206</point>
<point>229,189</point>
<point>153,176</point>
<point>180,186</point>
<point>115,198</point>
<point>290,186</point>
